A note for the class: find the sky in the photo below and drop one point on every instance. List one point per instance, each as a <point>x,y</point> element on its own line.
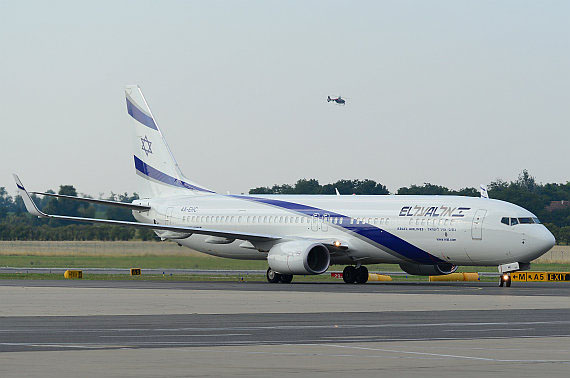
<point>455,93</point>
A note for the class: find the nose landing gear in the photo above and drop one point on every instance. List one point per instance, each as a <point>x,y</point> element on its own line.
<point>505,280</point>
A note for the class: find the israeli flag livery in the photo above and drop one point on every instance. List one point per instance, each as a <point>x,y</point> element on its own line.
<point>154,161</point>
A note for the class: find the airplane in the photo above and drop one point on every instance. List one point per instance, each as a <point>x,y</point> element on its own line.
<point>307,234</point>
<point>339,100</point>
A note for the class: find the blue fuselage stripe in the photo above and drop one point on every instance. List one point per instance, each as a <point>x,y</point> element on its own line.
<point>368,231</point>
<point>155,174</point>
<point>140,116</point>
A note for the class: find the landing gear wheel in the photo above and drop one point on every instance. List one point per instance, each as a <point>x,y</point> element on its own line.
<point>349,274</point>
<point>505,280</point>
<point>272,276</point>
<point>286,278</point>
<point>361,274</point>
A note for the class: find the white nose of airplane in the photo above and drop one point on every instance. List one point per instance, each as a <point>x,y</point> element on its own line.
<point>543,241</point>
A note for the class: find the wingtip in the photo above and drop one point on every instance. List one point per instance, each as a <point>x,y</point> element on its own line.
<point>18,182</point>
<point>28,202</point>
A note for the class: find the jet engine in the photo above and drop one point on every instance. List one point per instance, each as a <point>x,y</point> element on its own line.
<point>428,270</point>
<point>299,257</point>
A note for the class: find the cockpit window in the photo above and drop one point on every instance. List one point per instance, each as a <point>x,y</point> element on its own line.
<point>515,221</point>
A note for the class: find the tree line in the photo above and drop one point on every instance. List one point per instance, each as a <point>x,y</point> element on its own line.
<point>17,224</point>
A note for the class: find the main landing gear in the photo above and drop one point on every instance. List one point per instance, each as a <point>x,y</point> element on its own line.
<point>351,274</point>
<point>274,277</point>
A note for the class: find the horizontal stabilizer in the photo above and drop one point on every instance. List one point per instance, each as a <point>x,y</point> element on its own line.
<point>125,205</point>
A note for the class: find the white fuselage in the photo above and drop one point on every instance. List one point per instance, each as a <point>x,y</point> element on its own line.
<point>376,229</point>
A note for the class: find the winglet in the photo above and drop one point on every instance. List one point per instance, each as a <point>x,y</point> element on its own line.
<point>336,190</point>
<point>30,205</point>
<point>483,190</point>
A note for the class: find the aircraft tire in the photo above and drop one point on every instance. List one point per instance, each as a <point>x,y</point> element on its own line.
<point>272,276</point>
<point>286,278</point>
<point>508,283</point>
<point>349,274</point>
<point>361,275</point>
<point>501,281</point>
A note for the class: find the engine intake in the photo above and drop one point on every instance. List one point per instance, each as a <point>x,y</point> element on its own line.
<point>299,257</point>
<point>428,270</point>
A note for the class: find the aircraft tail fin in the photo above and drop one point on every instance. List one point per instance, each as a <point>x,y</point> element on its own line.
<point>483,191</point>
<point>154,162</point>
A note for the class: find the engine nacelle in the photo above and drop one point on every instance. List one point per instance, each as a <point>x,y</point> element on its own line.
<point>428,270</point>
<point>299,257</point>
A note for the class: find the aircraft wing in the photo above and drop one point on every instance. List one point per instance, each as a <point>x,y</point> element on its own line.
<point>126,205</point>
<point>33,209</point>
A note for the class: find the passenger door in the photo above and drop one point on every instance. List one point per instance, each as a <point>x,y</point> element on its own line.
<point>477,225</point>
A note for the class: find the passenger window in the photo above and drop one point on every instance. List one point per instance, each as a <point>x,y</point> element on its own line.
<point>505,220</point>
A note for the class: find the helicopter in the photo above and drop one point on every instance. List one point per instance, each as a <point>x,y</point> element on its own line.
<point>339,100</point>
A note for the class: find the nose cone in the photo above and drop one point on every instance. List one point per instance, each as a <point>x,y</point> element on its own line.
<point>544,241</point>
